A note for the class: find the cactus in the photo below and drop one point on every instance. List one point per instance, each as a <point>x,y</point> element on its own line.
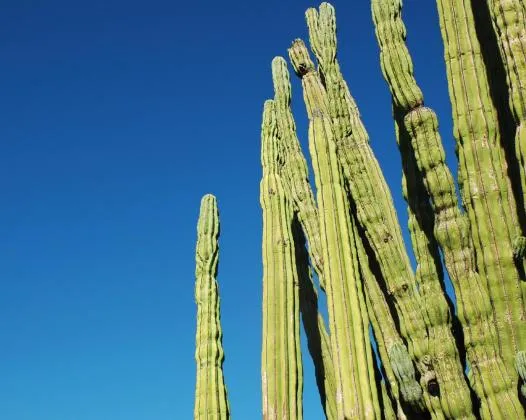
<point>354,397</point>
<point>482,174</point>
<point>374,208</point>
<point>210,391</point>
<point>509,20</point>
<point>281,370</point>
<point>350,238</point>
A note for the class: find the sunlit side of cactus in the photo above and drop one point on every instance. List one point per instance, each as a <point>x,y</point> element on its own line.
<point>281,370</point>
<point>210,393</point>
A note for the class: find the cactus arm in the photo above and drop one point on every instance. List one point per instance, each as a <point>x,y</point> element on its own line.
<point>391,348</point>
<point>354,398</point>
<point>374,207</point>
<point>281,356</point>
<point>210,395</point>
<point>482,171</point>
<point>509,20</point>
<point>452,398</point>
<point>351,135</point>
<point>294,168</point>
<point>418,128</point>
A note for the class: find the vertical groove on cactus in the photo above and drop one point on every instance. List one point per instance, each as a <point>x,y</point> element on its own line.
<point>282,379</point>
<point>374,206</point>
<point>210,394</point>
<point>482,172</point>
<point>354,398</point>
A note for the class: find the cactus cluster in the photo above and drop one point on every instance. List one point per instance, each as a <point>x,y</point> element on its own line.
<point>345,239</point>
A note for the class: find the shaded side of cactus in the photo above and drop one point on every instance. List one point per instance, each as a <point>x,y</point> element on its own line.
<point>281,368</point>
<point>210,392</point>
<point>354,398</point>
<point>482,174</point>
<point>374,206</point>
<point>318,340</point>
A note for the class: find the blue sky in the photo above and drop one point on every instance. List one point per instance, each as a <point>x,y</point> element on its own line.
<point>116,118</point>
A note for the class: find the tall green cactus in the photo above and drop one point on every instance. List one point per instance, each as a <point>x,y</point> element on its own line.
<point>451,227</point>
<point>281,370</point>
<point>354,397</point>
<point>210,392</point>
<point>482,174</point>
<point>509,20</point>
<point>374,207</point>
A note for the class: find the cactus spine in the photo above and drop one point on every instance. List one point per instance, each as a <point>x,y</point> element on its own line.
<point>282,379</point>
<point>210,393</point>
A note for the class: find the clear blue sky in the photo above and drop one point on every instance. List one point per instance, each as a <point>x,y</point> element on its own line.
<point>117,116</point>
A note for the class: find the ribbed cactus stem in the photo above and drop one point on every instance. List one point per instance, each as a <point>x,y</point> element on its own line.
<point>482,172</point>
<point>374,206</point>
<point>452,396</point>
<point>418,126</point>
<point>281,369</point>
<point>210,392</point>
<point>354,398</point>
<point>351,135</point>
<point>509,20</point>
<point>399,371</point>
<point>294,169</point>
<point>388,410</point>
<point>318,340</point>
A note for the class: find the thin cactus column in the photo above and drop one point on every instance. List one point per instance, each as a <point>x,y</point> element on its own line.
<point>281,369</point>
<point>210,392</point>
<point>455,400</point>
<point>318,340</point>
<point>354,398</point>
<point>374,208</point>
<point>294,170</point>
<point>482,174</point>
<point>419,125</point>
<point>509,20</point>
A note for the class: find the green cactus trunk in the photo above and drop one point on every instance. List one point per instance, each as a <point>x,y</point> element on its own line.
<point>281,370</point>
<point>294,172</point>
<point>509,20</point>
<point>318,340</point>
<point>210,391</point>
<point>354,397</point>
<point>482,173</point>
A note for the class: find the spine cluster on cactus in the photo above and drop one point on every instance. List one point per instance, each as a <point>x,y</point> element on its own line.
<point>434,360</point>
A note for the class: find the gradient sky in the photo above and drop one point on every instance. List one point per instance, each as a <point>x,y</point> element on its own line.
<point>117,116</point>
